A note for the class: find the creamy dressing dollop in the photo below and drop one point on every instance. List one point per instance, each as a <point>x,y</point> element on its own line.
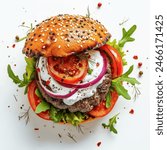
<point>95,62</point>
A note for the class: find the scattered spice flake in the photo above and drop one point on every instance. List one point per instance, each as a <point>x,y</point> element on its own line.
<point>59,135</point>
<point>7,46</point>
<point>127,50</point>
<point>99,4</point>
<point>38,69</point>
<point>14,45</point>
<point>47,82</point>
<point>97,64</point>
<point>15,98</point>
<point>44,125</point>
<point>15,65</point>
<point>17,38</point>
<point>124,21</point>
<point>140,64</point>
<point>131,111</point>
<point>36,129</point>
<point>135,57</point>
<point>8,106</point>
<point>72,137</point>
<point>140,73</point>
<point>98,144</point>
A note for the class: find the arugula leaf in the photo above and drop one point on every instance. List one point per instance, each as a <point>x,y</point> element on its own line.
<point>117,83</point>
<point>11,74</point>
<point>42,107</point>
<point>121,90</point>
<point>58,115</point>
<point>108,100</point>
<point>111,123</point>
<point>28,76</point>
<point>127,36</point>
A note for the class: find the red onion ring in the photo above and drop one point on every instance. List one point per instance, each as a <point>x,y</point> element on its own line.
<point>53,95</point>
<point>85,85</point>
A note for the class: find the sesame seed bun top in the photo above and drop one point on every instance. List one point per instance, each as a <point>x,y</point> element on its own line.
<point>64,35</point>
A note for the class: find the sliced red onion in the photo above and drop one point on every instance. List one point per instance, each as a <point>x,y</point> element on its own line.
<point>85,85</point>
<point>54,95</point>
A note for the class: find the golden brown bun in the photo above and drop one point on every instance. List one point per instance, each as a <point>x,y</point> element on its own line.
<point>64,35</point>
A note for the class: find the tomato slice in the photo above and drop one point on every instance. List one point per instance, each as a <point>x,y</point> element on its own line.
<point>101,110</point>
<point>69,69</point>
<point>34,100</point>
<point>116,60</point>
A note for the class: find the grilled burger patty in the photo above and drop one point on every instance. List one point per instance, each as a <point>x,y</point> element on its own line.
<point>86,104</point>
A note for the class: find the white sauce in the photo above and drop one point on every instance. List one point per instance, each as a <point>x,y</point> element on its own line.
<point>95,58</point>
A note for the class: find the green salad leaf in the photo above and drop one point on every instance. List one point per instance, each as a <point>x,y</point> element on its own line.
<point>43,105</point>
<point>111,123</point>
<point>126,37</point>
<point>108,100</point>
<point>28,76</point>
<point>117,83</point>
<point>65,116</point>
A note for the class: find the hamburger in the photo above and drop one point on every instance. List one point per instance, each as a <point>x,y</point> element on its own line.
<point>70,69</point>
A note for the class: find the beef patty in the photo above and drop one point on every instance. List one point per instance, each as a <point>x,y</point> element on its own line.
<point>86,104</point>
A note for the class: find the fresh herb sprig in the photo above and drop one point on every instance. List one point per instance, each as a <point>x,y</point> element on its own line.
<point>111,124</point>
<point>117,83</point>
<point>28,76</point>
<point>126,37</point>
<point>30,28</point>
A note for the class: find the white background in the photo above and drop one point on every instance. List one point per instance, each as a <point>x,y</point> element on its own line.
<point>133,130</point>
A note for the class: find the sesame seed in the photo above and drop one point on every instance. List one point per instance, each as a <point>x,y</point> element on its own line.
<point>59,46</point>
<point>55,40</point>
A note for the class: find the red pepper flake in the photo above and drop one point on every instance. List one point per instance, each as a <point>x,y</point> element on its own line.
<point>47,82</point>
<point>99,5</point>
<point>140,64</point>
<point>97,64</point>
<point>135,57</point>
<point>36,129</point>
<point>14,45</point>
<point>38,70</point>
<point>98,144</point>
<point>140,73</point>
<point>131,111</point>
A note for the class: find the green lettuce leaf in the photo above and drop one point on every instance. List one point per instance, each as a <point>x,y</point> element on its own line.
<point>65,116</point>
